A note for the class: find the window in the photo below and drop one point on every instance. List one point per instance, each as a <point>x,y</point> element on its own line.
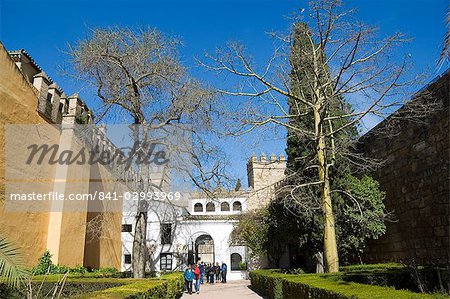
<point>49,97</point>
<point>127,258</point>
<point>224,206</point>
<point>198,207</point>
<point>166,233</point>
<point>127,228</point>
<point>237,206</point>
<point>236,260</point>
<point>66,107</point>
<point>210,207</point>
<point>165,262</point>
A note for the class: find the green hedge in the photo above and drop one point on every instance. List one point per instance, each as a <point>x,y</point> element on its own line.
<point>275,285</point>
<point>397,276</point>
<point>168,286</point>
<point>73,287</point>
<point>372,267</point>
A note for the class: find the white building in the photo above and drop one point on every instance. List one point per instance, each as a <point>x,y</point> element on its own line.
<point>200,227</point>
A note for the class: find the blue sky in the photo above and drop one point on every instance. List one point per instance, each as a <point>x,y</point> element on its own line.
<point>44,28</point>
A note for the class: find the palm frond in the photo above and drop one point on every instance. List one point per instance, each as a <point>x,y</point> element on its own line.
<point>11,263</point>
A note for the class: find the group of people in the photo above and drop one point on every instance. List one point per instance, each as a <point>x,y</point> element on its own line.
<point>194,275</point>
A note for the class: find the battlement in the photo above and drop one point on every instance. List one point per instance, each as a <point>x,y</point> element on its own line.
<point>263,159</point>
<point>263,171</point>
<point>97,139</point>
<point>57,108</point>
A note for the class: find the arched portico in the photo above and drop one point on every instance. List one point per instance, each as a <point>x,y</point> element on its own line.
<point>201,246</point>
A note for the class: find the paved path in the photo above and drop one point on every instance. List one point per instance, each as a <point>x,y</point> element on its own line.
<point>234,289</point>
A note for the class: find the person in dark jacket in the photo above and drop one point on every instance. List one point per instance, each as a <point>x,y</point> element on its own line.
<point>217,271</point>
<point>188,278</point>
<point>202,272</point>
<point>211,273</point>
<point>224,272</point>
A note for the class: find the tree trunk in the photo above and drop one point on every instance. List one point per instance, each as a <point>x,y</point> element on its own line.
<point>139,254</point>
<point>330,245</point>
<point>139,244</point>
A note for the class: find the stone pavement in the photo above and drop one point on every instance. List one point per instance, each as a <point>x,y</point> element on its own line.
<point>234,289</point>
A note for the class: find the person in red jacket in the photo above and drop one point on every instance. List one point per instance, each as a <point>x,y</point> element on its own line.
<point>197,278</point>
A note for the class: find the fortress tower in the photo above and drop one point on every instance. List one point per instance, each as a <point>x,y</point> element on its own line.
<point>263,174</point>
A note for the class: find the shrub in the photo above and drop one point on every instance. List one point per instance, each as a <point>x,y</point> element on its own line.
<point>168,286</point>
<point>275,285</point>
<point>371,267</point>
<point>242,266</point>
<point>45,264</point>
<point>397,276</point>
<point>73,287</point>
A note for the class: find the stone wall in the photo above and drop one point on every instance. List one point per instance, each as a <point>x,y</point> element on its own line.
<point>415,177</point>
<point>63,233</point>
<point>263,174</point>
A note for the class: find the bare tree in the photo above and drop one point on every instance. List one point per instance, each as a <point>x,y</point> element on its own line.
<point>344,63</point>
<point>139,72</point>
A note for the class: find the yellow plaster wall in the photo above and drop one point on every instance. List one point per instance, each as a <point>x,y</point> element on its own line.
<point>103,243</point>
<point>18,103</point>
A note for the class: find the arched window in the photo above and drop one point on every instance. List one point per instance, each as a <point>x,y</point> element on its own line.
<point>236,260</point>
<point>237,206</point>
<point>198,207</point>
<point>210,207</point>
<point>225,206</point>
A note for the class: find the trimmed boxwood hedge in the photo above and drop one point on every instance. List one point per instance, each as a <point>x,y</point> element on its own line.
<point>433,279</point>
<point>275,285</point>
<point>169,286</point>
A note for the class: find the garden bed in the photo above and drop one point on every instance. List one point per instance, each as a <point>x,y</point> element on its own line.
<point>92,286</point>
<point>275,285</point>
<point>432,279</point>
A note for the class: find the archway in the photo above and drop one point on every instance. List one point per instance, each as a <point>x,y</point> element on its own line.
<point>204,248</point>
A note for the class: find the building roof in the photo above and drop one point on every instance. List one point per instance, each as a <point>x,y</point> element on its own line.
<point>22,52</point>
<point>17,53</point>
<point>217,194</point>
<point>213,217</point>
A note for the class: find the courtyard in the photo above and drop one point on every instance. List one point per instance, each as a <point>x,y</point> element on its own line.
<point>292,149</point>
<point>232,289</point>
